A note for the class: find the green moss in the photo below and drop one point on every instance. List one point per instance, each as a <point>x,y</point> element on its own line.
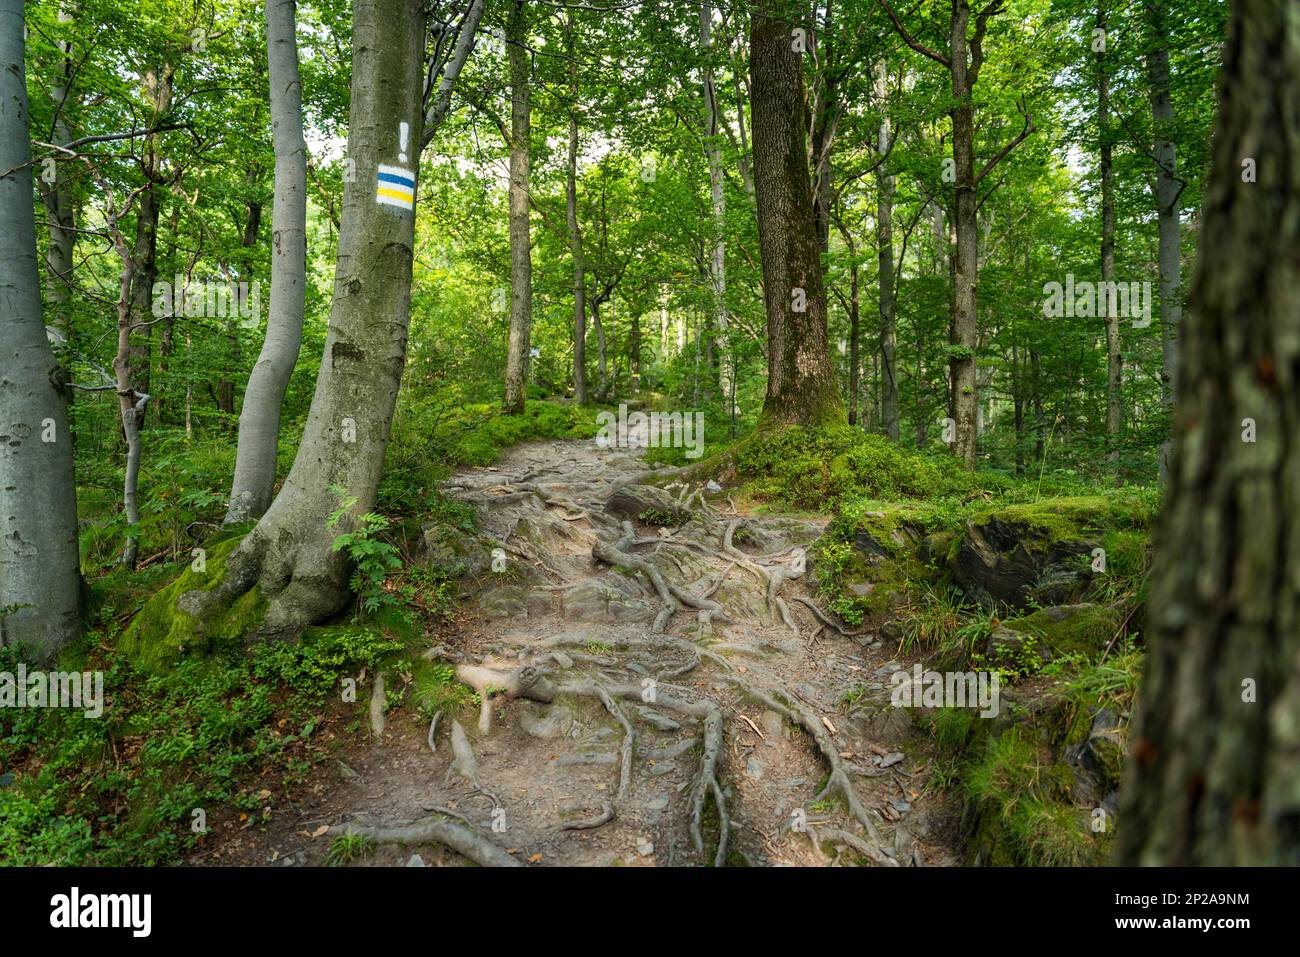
<point>1075,517</point>
<point>1048,833</point>
<point>1084,631</point>
<point>1020,812</point>
<point>436,690</point>
<point>161,632</point>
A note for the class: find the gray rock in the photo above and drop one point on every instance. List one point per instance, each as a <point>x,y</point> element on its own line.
<point>633,501</point>
<point>1012,562</point>
<point>544,721</point>
<point>889,760</point>
<point>773,724</point>
<point>415,861</point>
<point>657,719</point>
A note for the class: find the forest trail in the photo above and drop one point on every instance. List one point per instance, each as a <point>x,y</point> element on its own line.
<point>659,711</point>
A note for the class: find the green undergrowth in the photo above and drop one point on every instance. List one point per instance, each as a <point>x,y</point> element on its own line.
<point>1011,774</point>
<point>227,734</point>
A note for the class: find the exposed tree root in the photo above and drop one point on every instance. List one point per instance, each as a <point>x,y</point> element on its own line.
<point>673,596</point>
<point>706,780</point>
<point>826,619</point>
<point>465,764</point>
<point>461,838</point>
<point>525,682</point>
<point>871,852</point>
<point>586,824</point>
<point>839,778</point>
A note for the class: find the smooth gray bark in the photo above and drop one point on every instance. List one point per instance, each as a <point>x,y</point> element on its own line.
<point>259,419</point>
<point>440,102</point>
<point>40,575</point>
<point>1114,357</point>
<point>289,555</point>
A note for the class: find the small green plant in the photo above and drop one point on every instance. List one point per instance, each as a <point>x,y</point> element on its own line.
<point>347,848</point>
<point>653,516</point>
<point>373,559</point>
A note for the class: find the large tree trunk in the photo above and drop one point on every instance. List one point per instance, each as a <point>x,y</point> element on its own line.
<point>575,234</point>
<point>288,556</point>
<point>259,420</point>
<point>521,256</point>
<point>40,575</point>
<point>800,378</point>
<point>1168,192</point>
<point>718,204</point>
<point>888,300</point>
<point>1114,357</point>
<point>1216,743</point>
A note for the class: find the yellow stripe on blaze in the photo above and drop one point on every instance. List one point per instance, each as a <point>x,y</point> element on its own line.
<point>395,194</point>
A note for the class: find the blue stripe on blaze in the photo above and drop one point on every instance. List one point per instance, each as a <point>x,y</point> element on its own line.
<point>407,181</point>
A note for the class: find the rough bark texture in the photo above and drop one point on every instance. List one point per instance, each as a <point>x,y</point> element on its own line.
<point>521,255</point>
<point>39,562</point>
<point>718,204</point>
<point>800,378</point>
<point>1214,779</point>
<point>259,419</point>
<point>289,554</point>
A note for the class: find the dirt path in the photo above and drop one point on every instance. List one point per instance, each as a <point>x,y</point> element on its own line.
<point>688,707</point>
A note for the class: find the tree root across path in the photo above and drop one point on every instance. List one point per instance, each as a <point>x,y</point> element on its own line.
<point>706,779</point>
<point>600,655</point>
<point>672,596</point>
<point>461,838</point>
<point>839,778</point>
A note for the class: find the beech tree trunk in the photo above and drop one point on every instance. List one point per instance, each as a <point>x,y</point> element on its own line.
<point>40,574</point>
<point>1215,753</point>
<point>800,378</point>
<point>259,419</point>
<point>521,256</point>
<point>288,555</point>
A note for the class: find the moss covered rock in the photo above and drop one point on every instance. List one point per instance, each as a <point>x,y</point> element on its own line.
<point>1046,553</point>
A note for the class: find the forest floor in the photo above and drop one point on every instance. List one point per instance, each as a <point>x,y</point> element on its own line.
<point>683,674</point>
